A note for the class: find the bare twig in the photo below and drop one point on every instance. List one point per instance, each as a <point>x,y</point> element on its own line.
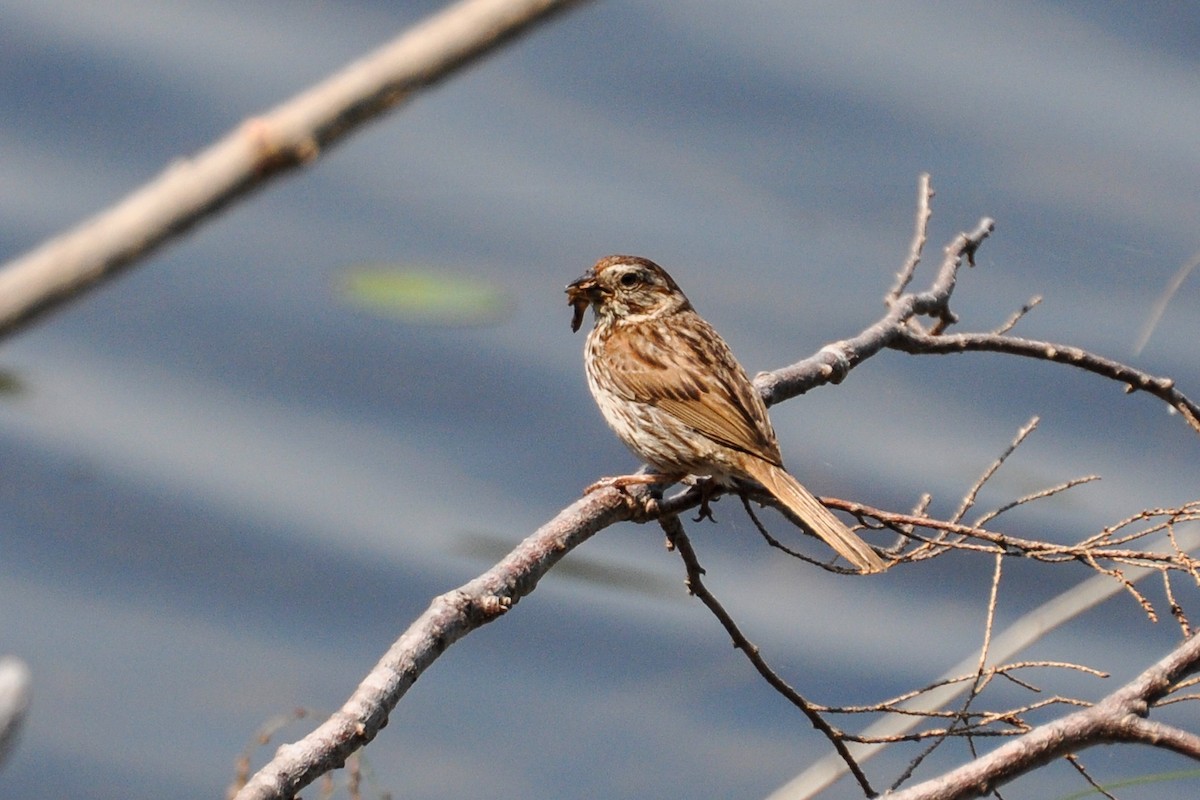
<point>1040,494</point>
<point>1018,315</point>
<point>920,237</point>
<point>961,718</point>
<point>780,546</point>
<point>1175,607</point>
<point>1074,761</point>
<point>834,361</point>
<point>1091,551</point>
<point>895,331</point>
<point>1133,379</point>
<point>969,499</point>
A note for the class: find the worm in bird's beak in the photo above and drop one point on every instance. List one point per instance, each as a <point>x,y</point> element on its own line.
<point>581,294</point>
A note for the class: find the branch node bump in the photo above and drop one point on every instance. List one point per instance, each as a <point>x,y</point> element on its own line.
<point>493,605</point>
<point>837,363</point>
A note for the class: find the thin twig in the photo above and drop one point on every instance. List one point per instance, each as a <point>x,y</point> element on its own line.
<point>1018,635</point>
<point>1018,315</point>
<point>1040,494</point>
<point>780,546</point>
<point>972,493</point>
<point>991,541</point>
<point>920,237</point>
<point>1173,604</point>
<point>1074,761</point>
<point>695,583</point>
<point>1132,378</point>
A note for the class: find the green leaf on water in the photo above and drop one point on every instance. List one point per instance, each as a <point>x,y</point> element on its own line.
<point>10,384</point>
<point>425,296</point>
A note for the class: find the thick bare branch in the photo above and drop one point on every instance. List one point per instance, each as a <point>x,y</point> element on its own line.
<point>448,618</point>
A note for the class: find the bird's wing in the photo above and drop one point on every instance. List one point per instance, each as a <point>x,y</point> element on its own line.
<point>664,366</point>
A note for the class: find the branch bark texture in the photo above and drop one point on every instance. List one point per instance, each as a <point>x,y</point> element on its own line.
<point>449,617</point>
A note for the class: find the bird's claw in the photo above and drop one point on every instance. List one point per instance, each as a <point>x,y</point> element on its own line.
<point>708,489</point>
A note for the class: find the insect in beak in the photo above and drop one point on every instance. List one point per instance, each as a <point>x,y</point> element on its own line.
<point>581,294</point>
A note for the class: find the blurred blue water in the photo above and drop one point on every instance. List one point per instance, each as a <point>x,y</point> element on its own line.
<point>226,492</point>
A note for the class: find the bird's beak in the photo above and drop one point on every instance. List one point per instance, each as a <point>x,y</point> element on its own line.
<point>582,293</point>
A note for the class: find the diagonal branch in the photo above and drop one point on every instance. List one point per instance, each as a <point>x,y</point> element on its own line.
<point>449,617</point>
<point>287,137</point>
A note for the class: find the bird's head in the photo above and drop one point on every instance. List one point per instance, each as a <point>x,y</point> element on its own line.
<point>624,287</point>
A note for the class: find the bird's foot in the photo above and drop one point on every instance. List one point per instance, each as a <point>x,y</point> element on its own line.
<point>708,489</point>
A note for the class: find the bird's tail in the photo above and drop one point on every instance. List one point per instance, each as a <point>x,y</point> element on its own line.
<point>821,520</point>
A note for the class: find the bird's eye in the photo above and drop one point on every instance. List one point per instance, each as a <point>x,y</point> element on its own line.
<point>629,279</point>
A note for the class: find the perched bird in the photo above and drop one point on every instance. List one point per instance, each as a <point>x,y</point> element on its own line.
<point>670,388</point>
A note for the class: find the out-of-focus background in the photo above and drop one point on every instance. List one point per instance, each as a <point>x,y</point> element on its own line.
<point>227,486</point>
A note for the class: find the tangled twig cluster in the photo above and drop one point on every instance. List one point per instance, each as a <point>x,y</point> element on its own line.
<point>917,322</point>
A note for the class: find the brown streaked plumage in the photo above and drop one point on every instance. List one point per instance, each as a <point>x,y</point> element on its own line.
<point>670,388</point>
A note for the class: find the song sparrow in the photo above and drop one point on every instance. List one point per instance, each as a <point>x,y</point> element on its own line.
<point>670,388</point>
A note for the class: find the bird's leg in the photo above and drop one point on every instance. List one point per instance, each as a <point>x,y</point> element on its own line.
<point>708,488</point>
